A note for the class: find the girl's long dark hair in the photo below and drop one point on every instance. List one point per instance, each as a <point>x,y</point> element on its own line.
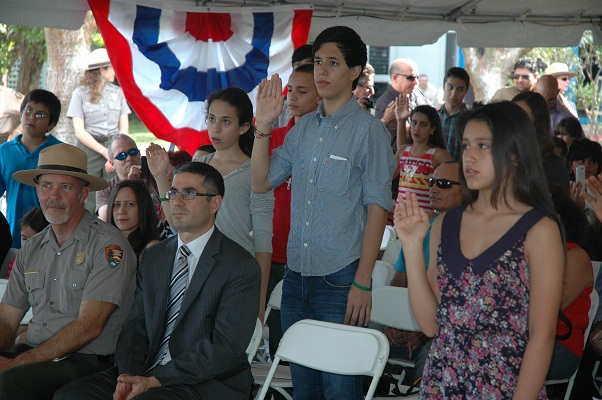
<point>516,158</point>
<point>436,139</point>
<point>147,216</point>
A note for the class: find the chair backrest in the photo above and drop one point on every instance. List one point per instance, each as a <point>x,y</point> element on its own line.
<point>593,310</point>
<point>392,251</point>
<point>255,341</point>
<point>389,235</point>
<point>381,274</point>
<point>596,267</point>
<point>335,348</point>
<point>391,307</point>
<point>12,253</point>
<point>274,301</point>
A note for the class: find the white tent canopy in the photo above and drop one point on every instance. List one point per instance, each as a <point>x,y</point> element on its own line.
<point>478,23</point>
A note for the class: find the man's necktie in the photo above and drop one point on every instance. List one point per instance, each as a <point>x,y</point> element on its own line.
<point>177,287</point>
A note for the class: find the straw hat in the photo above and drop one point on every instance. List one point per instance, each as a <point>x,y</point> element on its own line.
<point>61,159</point>
<point>98,58</point>
<point>559,69</point>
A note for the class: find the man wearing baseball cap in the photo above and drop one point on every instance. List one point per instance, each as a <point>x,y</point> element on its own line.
<point>78,277</point>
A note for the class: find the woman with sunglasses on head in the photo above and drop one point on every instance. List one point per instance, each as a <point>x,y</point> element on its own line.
<point>131,210</point>
<point>491,295</point>
<point>424,153</point>
<point>244,216</point>
<point>98,111</point>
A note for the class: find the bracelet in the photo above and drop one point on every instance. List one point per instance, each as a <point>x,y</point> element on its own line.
<point>260,135</point>
<point>364,288</point>
<point>162,199</point>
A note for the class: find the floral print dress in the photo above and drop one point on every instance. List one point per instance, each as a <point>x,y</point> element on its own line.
<point>482,316</point>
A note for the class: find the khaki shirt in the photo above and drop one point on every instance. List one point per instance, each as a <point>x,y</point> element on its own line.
<point>101,119</point>
<point>95,263</point>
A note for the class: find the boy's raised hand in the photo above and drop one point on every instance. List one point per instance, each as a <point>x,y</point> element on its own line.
<point>270,100</point>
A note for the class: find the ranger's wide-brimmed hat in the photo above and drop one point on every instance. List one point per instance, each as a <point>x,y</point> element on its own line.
<point>98,58</point>
<point>61,159</point>
<point>559,69</point>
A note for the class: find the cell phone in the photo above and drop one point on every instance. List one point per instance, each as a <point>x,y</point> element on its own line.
<point>580,176</point>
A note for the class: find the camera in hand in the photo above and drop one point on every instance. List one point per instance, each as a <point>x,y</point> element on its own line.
<point>369,103</point>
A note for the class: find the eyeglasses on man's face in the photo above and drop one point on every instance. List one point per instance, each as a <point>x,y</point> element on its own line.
<point>410,78</point>
<point>124,154</point>
<point>442,183</point>
<point>28,112</point>
<point>367,87</point>
<point>186,194</point>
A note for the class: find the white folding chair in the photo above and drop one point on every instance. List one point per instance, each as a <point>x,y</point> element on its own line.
<point>274,301</point>
<point>389,235</point>
<point>392,251</point>
<point>391,307</point>
<point>596,267</point>
<point>595,300</point>
<point>273,304</point>
<point>381,274</point>
<point>255,340</point>
<point>335,348</point>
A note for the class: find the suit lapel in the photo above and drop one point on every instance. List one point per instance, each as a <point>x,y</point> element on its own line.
<point>204,267</point>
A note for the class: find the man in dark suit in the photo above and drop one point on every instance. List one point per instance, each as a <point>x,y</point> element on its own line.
<point>191,346</point>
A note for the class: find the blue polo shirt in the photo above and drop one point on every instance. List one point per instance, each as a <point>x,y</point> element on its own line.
<point>338,164</point>
<point>20,198</point>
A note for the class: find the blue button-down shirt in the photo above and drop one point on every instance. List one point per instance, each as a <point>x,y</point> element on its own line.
<point>339,164</point>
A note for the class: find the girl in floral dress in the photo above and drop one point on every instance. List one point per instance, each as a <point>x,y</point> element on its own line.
<point>492,292</point>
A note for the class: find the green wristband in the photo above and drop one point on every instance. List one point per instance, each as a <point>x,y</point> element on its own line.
<point>162,199</point>
<point>364,288</point>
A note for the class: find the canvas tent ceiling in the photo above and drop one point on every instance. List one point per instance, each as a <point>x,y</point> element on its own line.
<point>478,23</point>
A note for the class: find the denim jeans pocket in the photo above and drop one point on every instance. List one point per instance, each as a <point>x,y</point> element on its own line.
<point>343,278</point>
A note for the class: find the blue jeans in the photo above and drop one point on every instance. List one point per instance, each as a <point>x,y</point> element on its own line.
<point>322,298</point>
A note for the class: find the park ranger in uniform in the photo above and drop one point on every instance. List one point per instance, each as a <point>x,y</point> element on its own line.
<point>77,275</point>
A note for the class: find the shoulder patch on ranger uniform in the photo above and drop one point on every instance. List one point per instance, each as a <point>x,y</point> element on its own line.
<point>114,255</point>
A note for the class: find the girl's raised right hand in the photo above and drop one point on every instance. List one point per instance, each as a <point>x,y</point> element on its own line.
<point>411,221</point>
<point>270,100</point>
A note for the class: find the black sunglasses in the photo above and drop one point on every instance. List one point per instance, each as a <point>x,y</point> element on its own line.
<point>410,78</point>
<point>124,154</point>
<point>442,183</point>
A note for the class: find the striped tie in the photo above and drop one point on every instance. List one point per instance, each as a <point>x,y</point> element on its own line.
<point>177,287</point>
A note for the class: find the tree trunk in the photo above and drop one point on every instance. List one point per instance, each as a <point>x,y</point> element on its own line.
<point>31,68</point>
<point>490,68</point>
<point>66,63</point>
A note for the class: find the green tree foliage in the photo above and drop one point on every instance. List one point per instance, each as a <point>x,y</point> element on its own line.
<point>21,41</point>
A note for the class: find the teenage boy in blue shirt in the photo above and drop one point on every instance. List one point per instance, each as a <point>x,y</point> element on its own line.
<point>40,111</point>
<point>341,166</point>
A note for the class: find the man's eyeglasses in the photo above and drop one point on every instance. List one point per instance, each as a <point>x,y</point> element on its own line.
<point>442,183</point>
<point>186,194</point>
<point>410,78</point>
<point>124,154</point>
<point>28,112</point>
<point>367,87</point>
<point>524,77</point>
